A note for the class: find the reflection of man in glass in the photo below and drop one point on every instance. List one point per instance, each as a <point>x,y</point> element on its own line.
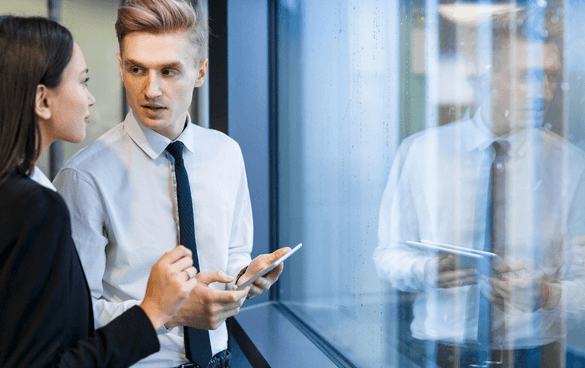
<point>500,183</point>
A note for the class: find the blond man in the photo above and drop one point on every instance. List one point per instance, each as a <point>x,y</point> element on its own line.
<point>127,191</point>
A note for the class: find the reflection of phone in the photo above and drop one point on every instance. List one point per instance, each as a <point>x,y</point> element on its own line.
<point>467,257</point>
<point>269,268</point>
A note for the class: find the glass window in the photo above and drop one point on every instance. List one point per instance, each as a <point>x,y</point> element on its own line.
<point>92,25</point>
<point>430,161</point>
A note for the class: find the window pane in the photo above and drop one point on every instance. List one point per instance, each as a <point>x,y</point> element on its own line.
<point>92,24</point>
<point>430,160</point>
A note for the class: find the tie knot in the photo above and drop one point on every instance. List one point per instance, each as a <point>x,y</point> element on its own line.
<point>176,149</point>
<point>501,147</point>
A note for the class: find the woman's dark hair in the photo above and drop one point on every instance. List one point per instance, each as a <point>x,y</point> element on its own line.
<point>35,51</point>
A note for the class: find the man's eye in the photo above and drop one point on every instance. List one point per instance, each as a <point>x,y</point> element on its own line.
<point>135,70</point>
<point>168,72</point>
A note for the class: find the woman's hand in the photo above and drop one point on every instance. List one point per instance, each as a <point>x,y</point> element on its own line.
<point>169,285</point>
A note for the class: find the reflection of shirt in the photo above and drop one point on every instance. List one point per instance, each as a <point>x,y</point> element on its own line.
<point>438,190</point>
<point>121,196</point>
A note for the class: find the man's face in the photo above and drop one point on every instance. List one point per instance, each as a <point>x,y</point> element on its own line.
<point>523,86</point>
<point>159,72</point>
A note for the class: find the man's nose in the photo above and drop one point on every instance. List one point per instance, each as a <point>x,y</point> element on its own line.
<point>548,86</point>
<point>152,87</point>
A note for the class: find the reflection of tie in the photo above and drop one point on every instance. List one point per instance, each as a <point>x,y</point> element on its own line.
<point>197,343</point>
<point>495,232</point>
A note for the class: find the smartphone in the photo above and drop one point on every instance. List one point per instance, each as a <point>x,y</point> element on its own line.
<point>270,268</point>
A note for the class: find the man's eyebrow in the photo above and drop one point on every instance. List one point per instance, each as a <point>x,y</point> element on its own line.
<point>171,65</point>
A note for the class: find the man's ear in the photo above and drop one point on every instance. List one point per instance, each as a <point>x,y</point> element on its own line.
<point>119,56</point>
<point>42,102</point>
<point>202,73</point>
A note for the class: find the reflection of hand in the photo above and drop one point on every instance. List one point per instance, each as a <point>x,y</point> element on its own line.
<point>442,272</point>
<point>207,308</point>
<point>258,264</point>
<point>527,289</point>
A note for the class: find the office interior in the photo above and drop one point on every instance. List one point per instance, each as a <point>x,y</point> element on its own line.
<point>319,95</point>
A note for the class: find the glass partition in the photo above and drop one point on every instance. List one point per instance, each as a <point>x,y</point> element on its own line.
<point>430,161</point>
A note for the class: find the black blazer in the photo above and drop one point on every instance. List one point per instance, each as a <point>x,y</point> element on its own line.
<point>46,316</point>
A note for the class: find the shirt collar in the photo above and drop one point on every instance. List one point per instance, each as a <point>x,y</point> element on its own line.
<point>39,176</point>
<point>480,136</point>
<point>152,143</point>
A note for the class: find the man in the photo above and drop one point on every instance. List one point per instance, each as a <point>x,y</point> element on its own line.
<point>157,180</point>
<point>497,182</point>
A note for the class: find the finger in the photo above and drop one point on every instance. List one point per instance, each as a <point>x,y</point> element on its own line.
<point>182,264</point>
<point>447,263</point>
<point>191,283</point>
<point>178,252</point>
<point>503,288</point>
<point>226,297</point>
<point>262,283</point>
<point>189,272</point>
<point>449,276</point>
<point>216,276</point>
<point>510,267</point>
<point>281,252</point>
<point>254,291</point>
<point>273,275</point>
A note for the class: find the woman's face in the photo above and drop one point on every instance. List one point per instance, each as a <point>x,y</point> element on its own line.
<point>69,103</point>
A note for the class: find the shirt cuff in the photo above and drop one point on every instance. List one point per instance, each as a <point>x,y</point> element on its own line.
<point>554,295</point>
<point>418,273</point>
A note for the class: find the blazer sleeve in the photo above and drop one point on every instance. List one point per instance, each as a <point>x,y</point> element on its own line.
<point>45,307</point>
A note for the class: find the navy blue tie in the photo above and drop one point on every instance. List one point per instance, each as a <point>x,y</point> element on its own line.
<point>197,343</point>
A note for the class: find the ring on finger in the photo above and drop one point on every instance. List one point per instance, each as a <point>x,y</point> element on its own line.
<point>190,273</point>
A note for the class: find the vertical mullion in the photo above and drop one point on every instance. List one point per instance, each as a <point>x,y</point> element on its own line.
<point>56,149</point>
<point>273,131</point>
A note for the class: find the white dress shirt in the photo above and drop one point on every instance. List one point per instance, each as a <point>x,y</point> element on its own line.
<point>120,192</point>
<point>438,190</point>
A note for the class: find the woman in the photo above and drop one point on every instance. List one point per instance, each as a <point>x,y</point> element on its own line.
<point>46,314</point>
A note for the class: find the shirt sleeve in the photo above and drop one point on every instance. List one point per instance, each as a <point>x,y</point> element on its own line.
<point>572,274</point>
<point>89,224</point>
<point>44,303</point>
<point>242,230</point>
<point>398,222</point>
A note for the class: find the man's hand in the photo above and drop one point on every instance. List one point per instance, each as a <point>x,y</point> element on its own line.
<point>258,264</point>
<point>526,290</point>
<point>208,308</point>
<point>442,272</point>
<point>169,285</point>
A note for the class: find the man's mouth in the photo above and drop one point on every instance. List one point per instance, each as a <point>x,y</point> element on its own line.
<point>153,107</point>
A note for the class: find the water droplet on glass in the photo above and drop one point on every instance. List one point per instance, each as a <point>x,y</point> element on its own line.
<point>541,3</point>
<point>506,113</point>
<point>555,19</point>
<point>461,43</point>
<point>544,33</point>
<point>499,166</point>
<point>547,126</point>
<point>565,86</point>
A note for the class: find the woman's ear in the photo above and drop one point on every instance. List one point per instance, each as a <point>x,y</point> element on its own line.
<point>42,108</point>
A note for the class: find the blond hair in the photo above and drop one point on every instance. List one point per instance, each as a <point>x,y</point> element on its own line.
<point>162,16</point>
